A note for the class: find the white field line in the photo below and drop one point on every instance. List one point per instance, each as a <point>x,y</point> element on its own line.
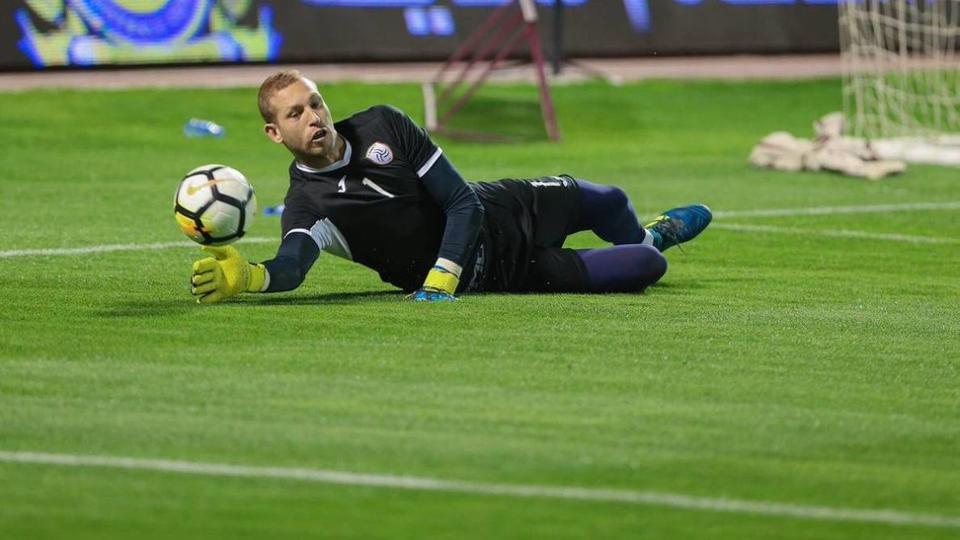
<point>836,233</point>
<point>109,248</point>
<point>643,498</point>
<point>776,212</point>
<point>832,210</point>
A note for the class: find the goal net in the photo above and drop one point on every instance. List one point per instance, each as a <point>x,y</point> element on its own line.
<point>902,77</point>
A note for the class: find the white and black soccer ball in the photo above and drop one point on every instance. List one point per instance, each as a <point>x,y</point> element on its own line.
<point>214,205</point>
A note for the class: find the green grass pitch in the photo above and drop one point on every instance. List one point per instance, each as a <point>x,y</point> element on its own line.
<point>801,365</point>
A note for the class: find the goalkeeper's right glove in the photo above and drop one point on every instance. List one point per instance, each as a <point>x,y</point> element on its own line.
<point>439,286</point>
<point>430,295</point>
<point>224,275</point>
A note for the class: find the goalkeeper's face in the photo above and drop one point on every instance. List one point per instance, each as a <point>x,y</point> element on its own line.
<point>303,124</point>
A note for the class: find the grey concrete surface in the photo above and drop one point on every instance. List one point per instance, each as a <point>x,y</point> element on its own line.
<point>615,70</point>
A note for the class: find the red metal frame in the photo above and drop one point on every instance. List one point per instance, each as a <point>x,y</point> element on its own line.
<point>483,41</point>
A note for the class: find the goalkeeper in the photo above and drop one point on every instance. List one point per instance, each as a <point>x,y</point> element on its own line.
<point>374,189</point>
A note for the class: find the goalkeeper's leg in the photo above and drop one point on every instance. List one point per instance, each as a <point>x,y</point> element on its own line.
<point>624,268</point>
<point>607,211</point>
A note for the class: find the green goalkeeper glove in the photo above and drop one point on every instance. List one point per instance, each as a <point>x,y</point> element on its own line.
<point>224,275</point>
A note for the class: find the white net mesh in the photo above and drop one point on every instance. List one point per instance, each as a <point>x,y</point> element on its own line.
<point>902,76</point>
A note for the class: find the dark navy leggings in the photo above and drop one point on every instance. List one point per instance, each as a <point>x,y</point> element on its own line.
<point>628,265</point>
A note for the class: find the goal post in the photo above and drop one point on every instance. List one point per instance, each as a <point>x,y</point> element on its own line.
<point>509,26</point>
<point>901,81</point>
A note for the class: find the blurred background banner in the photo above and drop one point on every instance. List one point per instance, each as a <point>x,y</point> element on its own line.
<point>36,34</point>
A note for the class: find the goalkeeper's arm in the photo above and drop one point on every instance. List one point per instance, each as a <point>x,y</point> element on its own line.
<point>464,217</point>
<point>227,273</point>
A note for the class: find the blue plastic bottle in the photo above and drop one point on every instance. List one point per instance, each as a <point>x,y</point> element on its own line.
<point>273,210</point>
<point>196,127</point>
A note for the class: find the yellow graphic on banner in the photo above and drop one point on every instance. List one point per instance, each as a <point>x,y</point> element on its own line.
<point>104,32</point>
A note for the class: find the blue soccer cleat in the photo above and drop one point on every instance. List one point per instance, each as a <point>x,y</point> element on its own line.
<point>679,225</point>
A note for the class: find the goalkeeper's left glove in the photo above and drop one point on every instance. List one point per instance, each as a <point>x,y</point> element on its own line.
<point>224,275</point>
<point>439,286</point>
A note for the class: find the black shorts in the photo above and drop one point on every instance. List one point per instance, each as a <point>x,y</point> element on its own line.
<point>525,225</point>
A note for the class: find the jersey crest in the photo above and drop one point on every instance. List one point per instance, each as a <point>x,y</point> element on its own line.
<point>380,153</point>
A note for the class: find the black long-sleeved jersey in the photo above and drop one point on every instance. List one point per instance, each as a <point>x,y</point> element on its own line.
<point>392,203</point>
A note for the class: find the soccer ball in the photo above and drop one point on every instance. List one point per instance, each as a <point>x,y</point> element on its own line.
<point>214,205</point>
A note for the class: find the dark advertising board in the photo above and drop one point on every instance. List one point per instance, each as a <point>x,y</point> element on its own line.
<point>37,34</point>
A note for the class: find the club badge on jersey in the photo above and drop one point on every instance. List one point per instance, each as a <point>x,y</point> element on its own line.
<point>379,153</point>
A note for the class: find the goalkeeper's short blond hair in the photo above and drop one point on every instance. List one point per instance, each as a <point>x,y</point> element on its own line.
<point>270,86</point>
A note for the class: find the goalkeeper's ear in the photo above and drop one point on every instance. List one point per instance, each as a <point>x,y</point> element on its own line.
<point>273,132</point>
